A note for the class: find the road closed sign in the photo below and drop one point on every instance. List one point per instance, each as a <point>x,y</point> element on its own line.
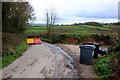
<point>33,41</point>
<point>37,40</point>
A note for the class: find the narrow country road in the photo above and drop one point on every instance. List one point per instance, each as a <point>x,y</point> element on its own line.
<point>41,61</point>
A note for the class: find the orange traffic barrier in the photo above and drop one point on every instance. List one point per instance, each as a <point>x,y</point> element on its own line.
<point>33,41</point>
<point>29,41</point>
<point>37,40</point>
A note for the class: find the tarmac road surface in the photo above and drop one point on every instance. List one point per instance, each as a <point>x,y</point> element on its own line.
<point>41,61</point>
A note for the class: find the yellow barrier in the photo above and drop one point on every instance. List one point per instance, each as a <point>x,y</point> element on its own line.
<point>30,41</point>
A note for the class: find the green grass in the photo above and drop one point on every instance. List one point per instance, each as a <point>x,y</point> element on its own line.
<point>7,59</point>
<point>73,29</point>
<point>0,62</point>
<point>103,65</point>
<point>97,27</point>
<point>46,40</point>
<point>37,30</point>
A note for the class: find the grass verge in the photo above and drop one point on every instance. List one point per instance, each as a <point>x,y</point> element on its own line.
<point>7,59</point>
<point>103,68</point>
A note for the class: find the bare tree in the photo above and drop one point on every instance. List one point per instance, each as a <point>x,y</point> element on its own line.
<point>51,19</point>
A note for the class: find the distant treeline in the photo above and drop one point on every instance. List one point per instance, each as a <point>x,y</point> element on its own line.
<point>96,23</point>
<point>86,23</point>
<point>90,23</point>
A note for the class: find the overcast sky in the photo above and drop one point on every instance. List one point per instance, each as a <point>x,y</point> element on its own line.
<point>78,11</point>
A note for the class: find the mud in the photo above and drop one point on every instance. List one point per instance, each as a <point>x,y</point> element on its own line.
<point>83,70</point>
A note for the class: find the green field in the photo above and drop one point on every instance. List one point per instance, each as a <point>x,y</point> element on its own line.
<point>72,29</point>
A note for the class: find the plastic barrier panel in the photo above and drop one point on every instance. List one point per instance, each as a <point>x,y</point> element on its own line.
<point>30,41</point>
<point>37,40</point>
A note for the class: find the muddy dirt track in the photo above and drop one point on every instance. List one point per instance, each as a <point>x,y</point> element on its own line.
<point>41,61</point>
<point>85,71</point>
